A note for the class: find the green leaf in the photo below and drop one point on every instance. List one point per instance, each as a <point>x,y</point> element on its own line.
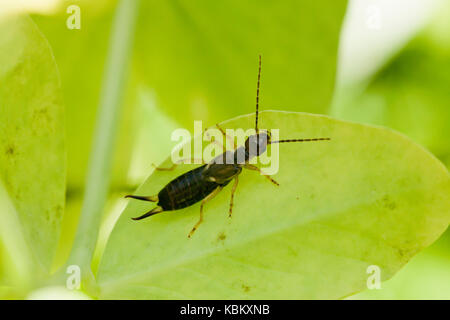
<point>367,197</point>
<point>201,57</point>
<point>81,55</point>
<point>425,277</point>
<point>32,150</point>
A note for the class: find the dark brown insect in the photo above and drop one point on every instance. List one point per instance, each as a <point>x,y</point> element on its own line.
<point>205,182</point>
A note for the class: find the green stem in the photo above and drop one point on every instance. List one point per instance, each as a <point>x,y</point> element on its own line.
<point>100,163</point>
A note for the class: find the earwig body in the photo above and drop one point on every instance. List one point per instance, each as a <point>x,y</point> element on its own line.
<point>204,182</point>
<point>187,189</point>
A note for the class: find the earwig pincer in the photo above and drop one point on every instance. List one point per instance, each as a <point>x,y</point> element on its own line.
<point>205,182</point>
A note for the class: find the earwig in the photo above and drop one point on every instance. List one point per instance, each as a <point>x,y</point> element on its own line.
<point>205,182</point>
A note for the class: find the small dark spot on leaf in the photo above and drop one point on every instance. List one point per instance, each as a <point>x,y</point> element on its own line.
<point>10,150</point>
<point>42,119</point>
<point>297,197</point>
<point>222,236</point>
<point>388,203</point>
<point>245,288</point>
<point>42,113</point>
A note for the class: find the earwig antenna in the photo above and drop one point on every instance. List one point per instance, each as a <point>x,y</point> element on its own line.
<point>300,140</point>
<point>257,95</point>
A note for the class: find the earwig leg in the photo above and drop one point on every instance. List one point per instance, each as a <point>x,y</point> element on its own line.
<point>150,213</point>
<point>255,168</point>
<point>220,145</point>
<point>224,149</point>
<point>189,161</point>
<point>232,195</point>
<point>200,220</point>
<point>144,198</point>
<point>230,139</point>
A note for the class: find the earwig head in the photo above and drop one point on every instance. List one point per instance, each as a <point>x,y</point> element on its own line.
<point>256,144</point>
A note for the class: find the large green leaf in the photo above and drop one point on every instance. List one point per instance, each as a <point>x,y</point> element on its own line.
<point>201,57</point>
<point>80,55</point>
<point>367,197</point>
<point>32,150</point>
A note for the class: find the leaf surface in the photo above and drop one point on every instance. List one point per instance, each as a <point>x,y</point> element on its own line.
<point>369,196</point>
<point>32,146</point>
<point>81,55</point>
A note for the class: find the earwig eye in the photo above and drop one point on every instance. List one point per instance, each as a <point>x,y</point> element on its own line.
<point>257,144</point>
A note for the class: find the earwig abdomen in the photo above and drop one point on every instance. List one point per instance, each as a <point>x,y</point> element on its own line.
<point>186,190</point>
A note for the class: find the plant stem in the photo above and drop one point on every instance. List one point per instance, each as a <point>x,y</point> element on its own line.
<point>100,163</point>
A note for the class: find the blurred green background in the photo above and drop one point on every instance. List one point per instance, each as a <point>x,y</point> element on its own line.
<point>388,66</point>
<point>409,92</point>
